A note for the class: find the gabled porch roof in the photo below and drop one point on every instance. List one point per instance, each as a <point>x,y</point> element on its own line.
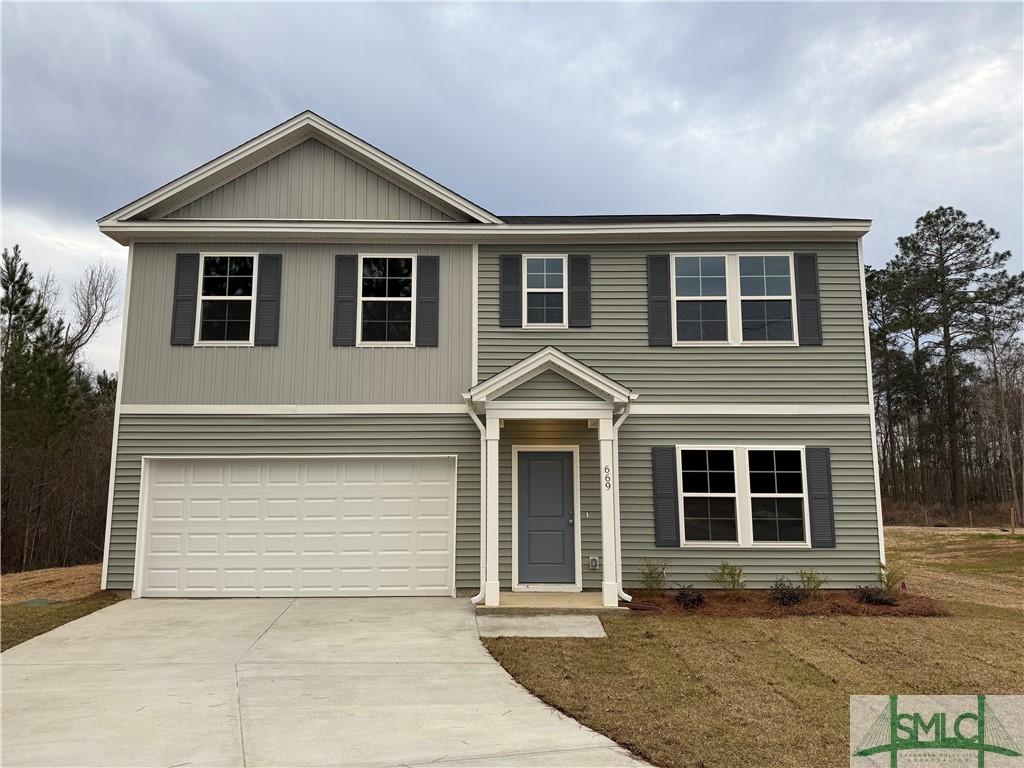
<point>550,359</point>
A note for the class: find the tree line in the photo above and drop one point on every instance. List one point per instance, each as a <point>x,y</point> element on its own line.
<point>57,419</point>
<point>946,318</point>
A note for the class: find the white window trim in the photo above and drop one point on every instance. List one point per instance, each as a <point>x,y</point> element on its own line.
<point>733,299</point>
<point>252,298</point>
<point>744,517</point>
<point>411,299</point>
<point>564,290</point>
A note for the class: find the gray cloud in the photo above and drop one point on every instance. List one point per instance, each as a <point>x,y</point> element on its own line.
<point>881,111</point>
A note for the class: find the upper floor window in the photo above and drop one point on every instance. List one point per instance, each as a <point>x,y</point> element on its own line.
<point>386,307</point>
<point>723,299</point>
<point>544,284</point>
<point>227,286</point>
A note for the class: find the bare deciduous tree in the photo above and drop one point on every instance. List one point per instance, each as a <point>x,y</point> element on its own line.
<point>93,304</point>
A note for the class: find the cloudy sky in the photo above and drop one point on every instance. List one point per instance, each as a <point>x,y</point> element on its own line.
<point>880,111</point>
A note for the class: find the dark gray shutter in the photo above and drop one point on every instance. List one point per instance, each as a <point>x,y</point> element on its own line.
<point>268,300</point>
<point>427,287</point>
<point>659,309</point>
<point>186,291</point>
<point>346,294</point>
<point>808,299</point>
<point>579,291</point>
<point>819,487</point>
<point>666,499</point>
<point>511,290</point>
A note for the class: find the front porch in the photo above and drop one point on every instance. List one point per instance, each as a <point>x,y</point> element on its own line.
<point>549,523</point>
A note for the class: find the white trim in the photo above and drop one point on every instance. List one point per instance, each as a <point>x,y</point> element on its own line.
<point>196,341</point>
<point>575,234</point>
<point>341,409</point>
<point>411,299</point>
<point>564,290</point>
<point>871,400</point>
<point>577,519</point>
<point>744,497</point>
<point>475,298</point>
<point>147,459</point>
<point>550,359</point>
<point>750,409</point>
<point>733,299</point>
<point>117,419</point>
<point>532,409</point>
<point>294,130</point>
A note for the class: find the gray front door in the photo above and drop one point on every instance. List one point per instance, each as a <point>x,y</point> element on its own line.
<point>547,548</point>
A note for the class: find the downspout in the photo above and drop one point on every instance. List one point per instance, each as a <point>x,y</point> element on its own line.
<point>618,521</point>
<point>479,596</point>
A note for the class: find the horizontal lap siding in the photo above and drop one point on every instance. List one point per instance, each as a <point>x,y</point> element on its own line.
<point>305,367</point>
<point>568,433</point>
<point>310,181</point>
<point>549,386</point>
<point>616,343</point>
<point>854,560</point>
<point>291,436</point>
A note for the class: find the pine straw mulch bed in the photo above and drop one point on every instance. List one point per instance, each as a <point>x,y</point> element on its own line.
<point>758,604</point>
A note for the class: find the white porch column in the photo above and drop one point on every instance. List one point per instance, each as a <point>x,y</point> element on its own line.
<point>609,583</point>
<point>492,586</point>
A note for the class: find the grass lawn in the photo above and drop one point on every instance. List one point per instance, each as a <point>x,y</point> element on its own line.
<point>681,690</point>
<point>76,588</point>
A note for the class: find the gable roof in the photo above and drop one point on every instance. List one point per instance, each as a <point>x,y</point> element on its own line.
<point>550,359</point>
<point>258,150</point>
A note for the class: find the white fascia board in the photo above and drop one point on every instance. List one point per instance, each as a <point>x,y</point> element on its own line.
<point>263,230</point>
<point>550,359</point>
<point>304,125</point>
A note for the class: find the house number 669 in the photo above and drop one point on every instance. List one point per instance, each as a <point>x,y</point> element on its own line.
<point>607,477</point>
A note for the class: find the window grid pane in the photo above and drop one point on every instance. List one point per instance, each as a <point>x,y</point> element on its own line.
<point>386,299</point>
<point>545,285</point>
<point>777,502</point>
<point>700,276</point>
<point>701,321</point>
<point>709,495</point>
<point>764,276</point>
<point>767,320</point>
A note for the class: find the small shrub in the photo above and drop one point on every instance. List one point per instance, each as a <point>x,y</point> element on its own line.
<point>812,582</point>
<point>782,592</point>
<point>891,578</point>
<point>728,576</point>
<point>874,596</point>
<point>689,598</point>
<point>652,574</point>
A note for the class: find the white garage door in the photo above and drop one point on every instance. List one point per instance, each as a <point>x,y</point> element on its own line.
<point>324,526</point>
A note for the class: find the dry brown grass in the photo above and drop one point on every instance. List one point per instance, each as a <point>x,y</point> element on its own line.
<point>684,690</point>
<point>52,583</point>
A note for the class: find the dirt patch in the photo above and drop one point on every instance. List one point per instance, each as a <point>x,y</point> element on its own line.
<point>73,583</point>
<point>758,604</point>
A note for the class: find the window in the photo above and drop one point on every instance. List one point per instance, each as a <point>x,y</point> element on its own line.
<point>545,287</point>
<point>709,495</point>
<point>226,307</point>
<point>732,299</point>
<point>700,299</point>
<point>776,495</point>
<point>734,496</point>
<point>766,319</point>
<point>386,307</point>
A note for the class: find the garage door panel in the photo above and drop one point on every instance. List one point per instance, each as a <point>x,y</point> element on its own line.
<point>303,526</point>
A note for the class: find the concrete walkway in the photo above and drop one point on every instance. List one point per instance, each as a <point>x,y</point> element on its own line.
<point>278,682</point>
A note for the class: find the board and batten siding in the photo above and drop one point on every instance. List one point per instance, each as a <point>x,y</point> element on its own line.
<point>616,343</point>
<point>853,561</point>
<point>549,386</point>
<point>304,367</point>
<point>291,435</point>
<point>546,433</point>
<point>310,181</point>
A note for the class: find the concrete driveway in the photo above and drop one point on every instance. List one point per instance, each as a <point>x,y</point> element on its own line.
<point>279,682</point>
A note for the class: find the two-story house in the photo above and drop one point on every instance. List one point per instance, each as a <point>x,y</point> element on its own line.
<point>339,377</point>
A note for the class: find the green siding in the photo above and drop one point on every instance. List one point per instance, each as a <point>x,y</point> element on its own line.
<point>550,386</point>
<point>304,367</point>
<point>561,433</point>
<point>292,436</point>
<point>856,555</point>
<point>616,343</point>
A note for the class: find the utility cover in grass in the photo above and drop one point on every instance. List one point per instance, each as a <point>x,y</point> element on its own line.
<point>38,601</point>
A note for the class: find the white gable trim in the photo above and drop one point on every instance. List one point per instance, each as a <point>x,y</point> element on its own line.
<point>550,359</point>
<point>299,128</point>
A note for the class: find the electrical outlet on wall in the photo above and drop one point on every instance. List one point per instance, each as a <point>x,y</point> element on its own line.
<point>595,563</point>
